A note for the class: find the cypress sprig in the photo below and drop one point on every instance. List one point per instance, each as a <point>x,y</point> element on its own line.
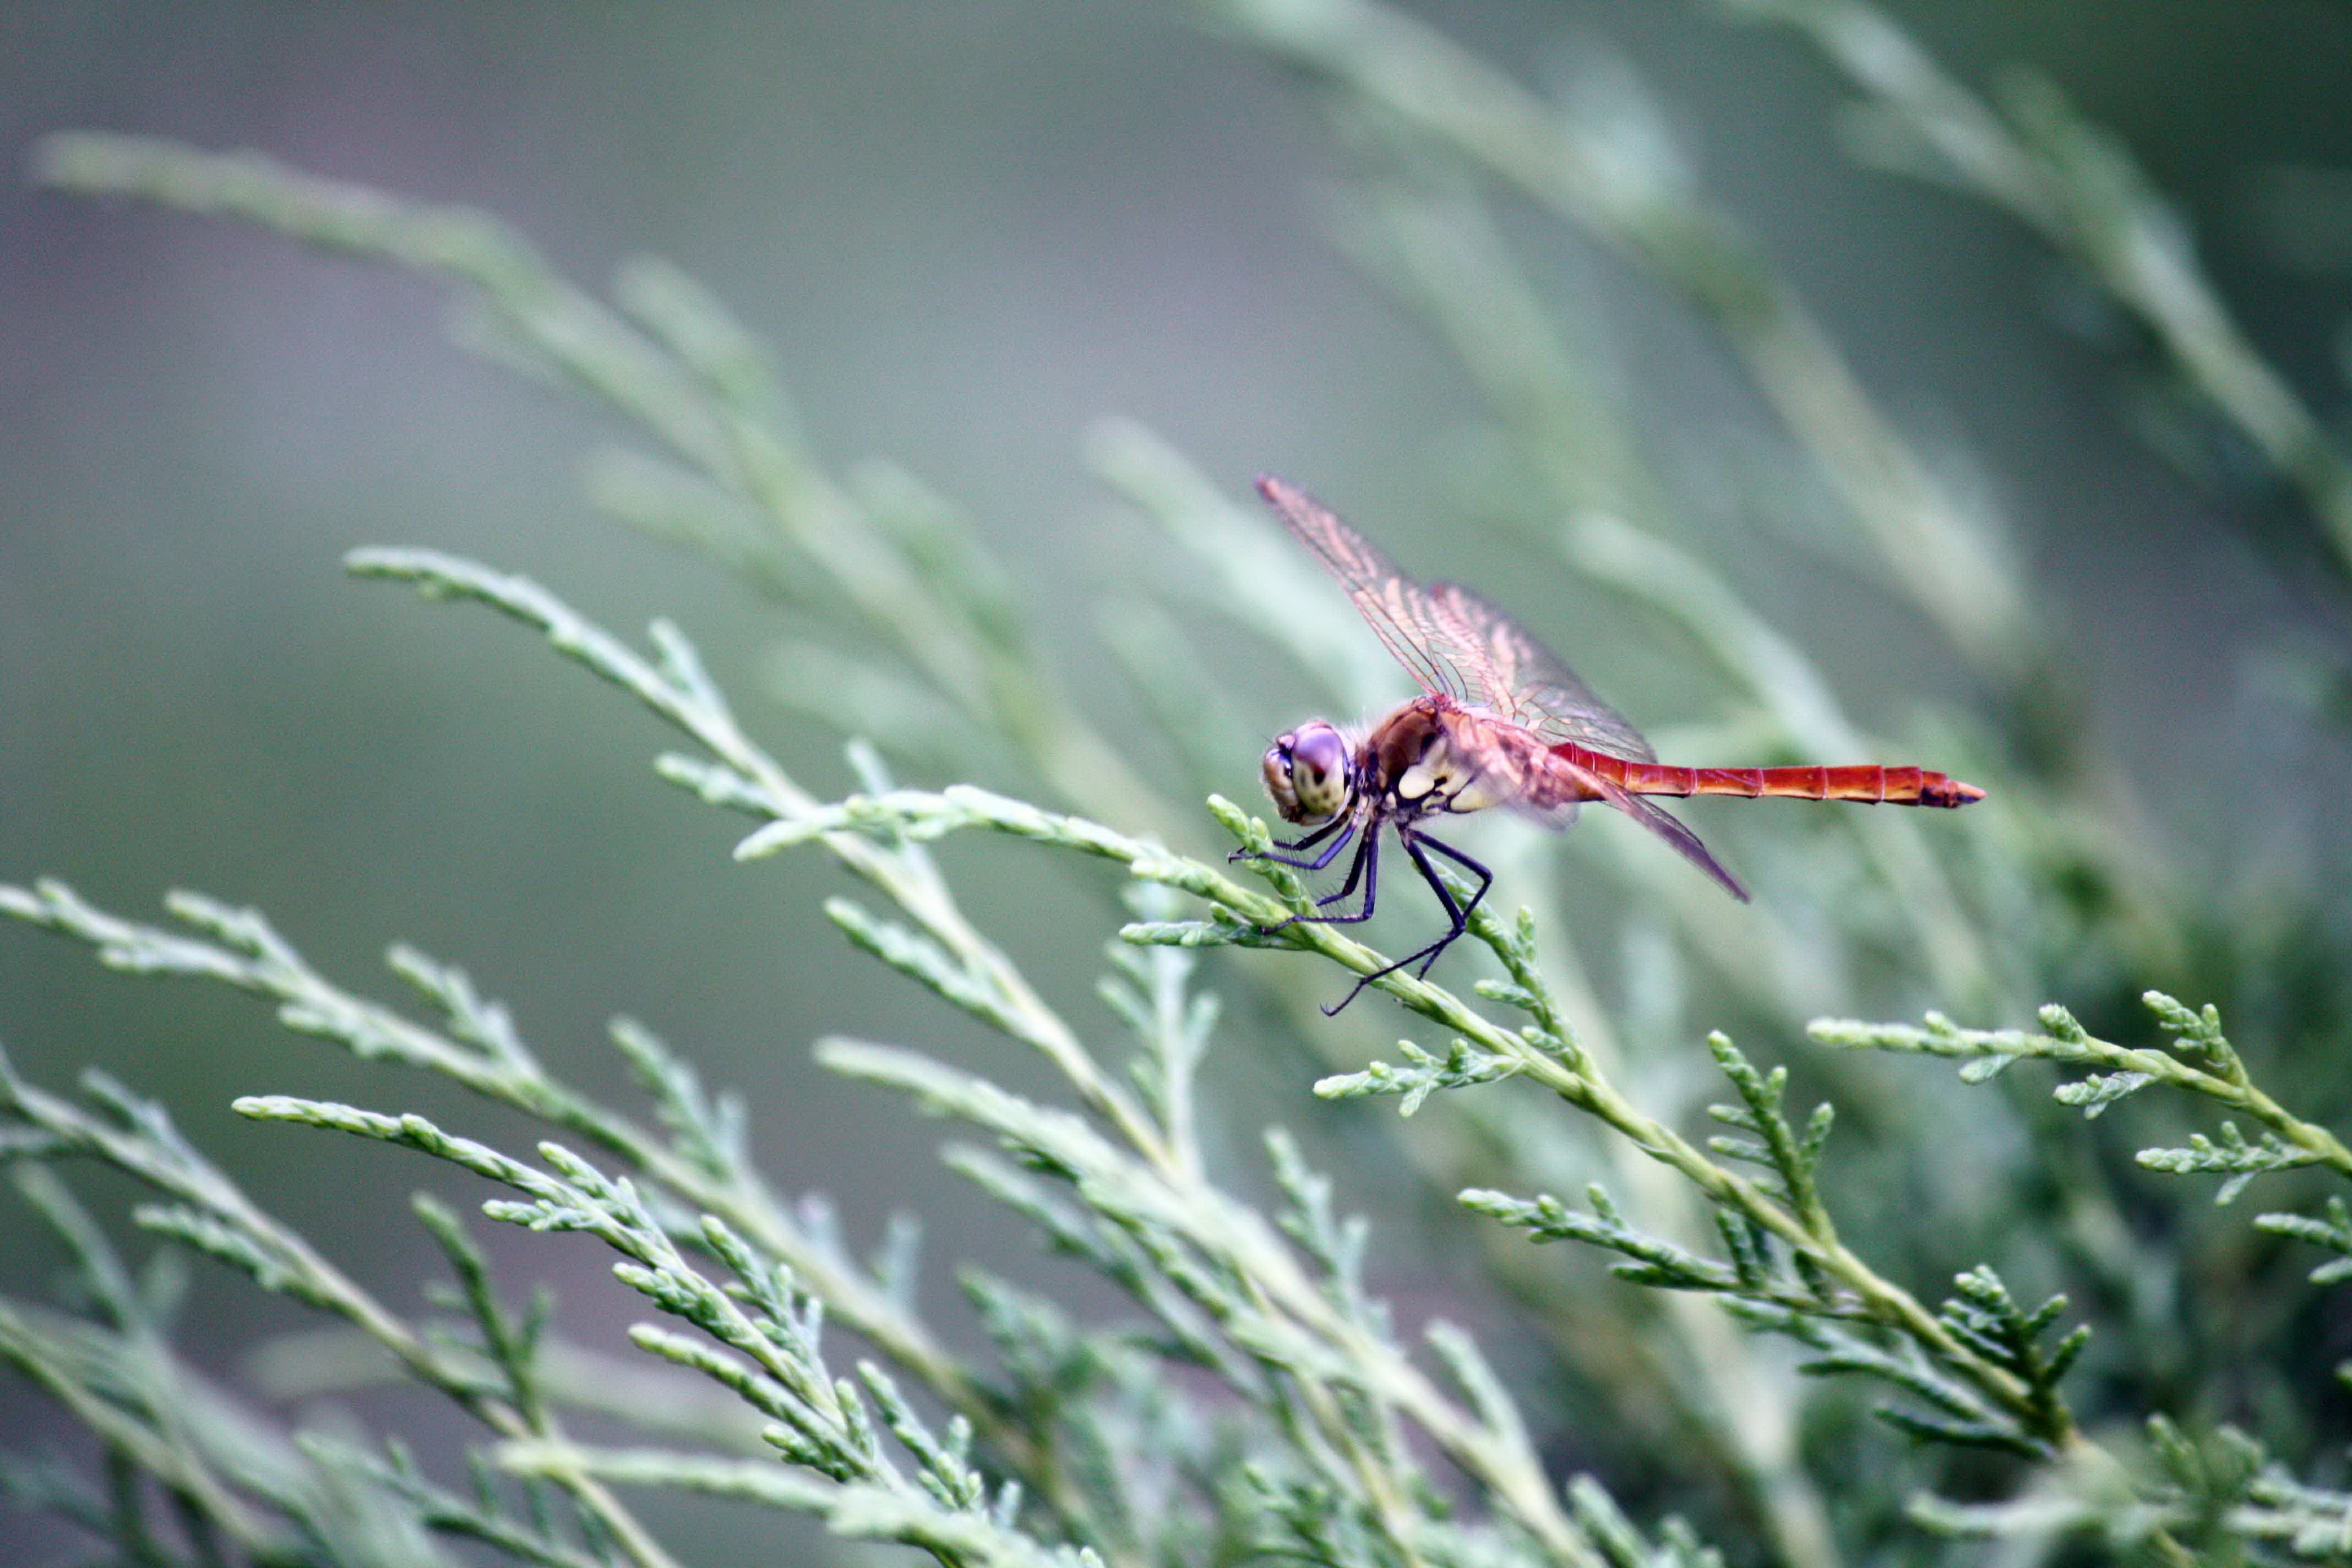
<point>1793,1158</point>
<point>1422,1075</point>
<point>1527,990</point>
<point>763,1333</point>
<point>527,1529</point>
<point>209,1213</point>
<point>2311,1521</point>
<point>1982,1312</point>
<point>2237,1157</point>
<point>701,1167</point>
<point>2198,1058</point>
<point>1766,1287</point>
<point>1676,1546</point>
<point>2025,148</point>
<point>1151,992</point>
<point>225,1241</point>
<point>730,1372</point>
<point>1653,1260</point>
<point>511,1343</point>
<point>1820,1265</point>
<point>979,1538</point>
<point>730,476</point>
<point>1942,1409</point>
<point>2332,1230</point>
<point>2219,1493</point>
<point>926,815</point>
<point>706,1129</point>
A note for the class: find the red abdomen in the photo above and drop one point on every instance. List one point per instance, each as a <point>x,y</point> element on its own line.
<point>1868,783</point>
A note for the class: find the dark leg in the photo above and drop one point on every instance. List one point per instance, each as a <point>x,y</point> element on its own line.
<point>1486,880</point>
<point>1308,841</point>
<point>1365,867</point>
<point>1457,915</point>
<point>1330,852</point>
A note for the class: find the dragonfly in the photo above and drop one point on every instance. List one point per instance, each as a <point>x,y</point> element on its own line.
<point>1501,721</point>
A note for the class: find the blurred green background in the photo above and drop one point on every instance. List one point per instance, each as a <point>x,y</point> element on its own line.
<point>969,230</point>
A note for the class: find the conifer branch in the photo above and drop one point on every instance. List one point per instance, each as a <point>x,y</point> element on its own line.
<point>2028,152</point>
<point>2197,1057</point>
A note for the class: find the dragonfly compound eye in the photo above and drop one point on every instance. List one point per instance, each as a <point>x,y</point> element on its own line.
<point>1318,770</point>
<point>1277,769</point>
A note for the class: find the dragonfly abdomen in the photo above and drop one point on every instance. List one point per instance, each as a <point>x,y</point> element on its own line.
<point>1869,783</point>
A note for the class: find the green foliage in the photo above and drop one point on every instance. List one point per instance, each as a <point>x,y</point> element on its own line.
<point>1252,1397</point>
<point>2031,153</point>
<point>2221,1494</point>
<point>2198,1058</point>
<point>1423,1075</point>
<point>1854,1321</point>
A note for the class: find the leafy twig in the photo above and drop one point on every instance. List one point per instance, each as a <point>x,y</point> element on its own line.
<point>2075,184</point>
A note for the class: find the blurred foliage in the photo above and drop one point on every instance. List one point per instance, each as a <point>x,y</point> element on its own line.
<point>2152,1387</point>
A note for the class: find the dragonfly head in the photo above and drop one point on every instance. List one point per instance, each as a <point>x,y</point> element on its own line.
<point>1308,773</point>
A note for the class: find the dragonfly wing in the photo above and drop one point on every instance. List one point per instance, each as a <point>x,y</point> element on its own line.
<point>1399,610</point>
<point>1554,787</point>
<point>1456,643</point>
<point>1527,682</point>
<point>1666,827</point>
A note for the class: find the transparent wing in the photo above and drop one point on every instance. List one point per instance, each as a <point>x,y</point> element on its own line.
<point>1399,611</point>
<point>1527,682</point>
<point>1666,825</point>
<point>1455,643</point>
<point>1555,793</point>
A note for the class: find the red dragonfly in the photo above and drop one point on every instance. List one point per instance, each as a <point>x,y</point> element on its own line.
<point>1501,721</point>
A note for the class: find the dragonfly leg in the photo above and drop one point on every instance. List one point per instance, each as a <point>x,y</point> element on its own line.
<point>1330,851</point>
<point>1365,869</point>
<point>1307,842</point>
<point>1461,920</point>
<point>1458,915</point>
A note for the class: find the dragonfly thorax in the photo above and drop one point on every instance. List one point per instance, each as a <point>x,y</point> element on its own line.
<point>1433,757</point>
<point>1310,771</point>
